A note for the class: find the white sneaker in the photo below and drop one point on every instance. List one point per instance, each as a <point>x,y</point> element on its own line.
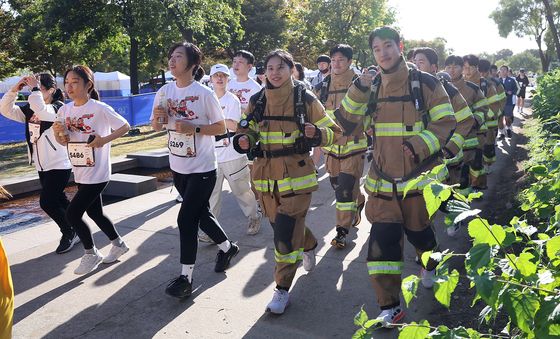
<point>388,318</point>
<point>204,237</point>
<point>453,230</point>
<point>89,262</point>
<point>254,225</point>
<point>179,198</point>
<point>309,260</point>
<point>280,300</point>
<point>427,277</point>
<point>115,253</point>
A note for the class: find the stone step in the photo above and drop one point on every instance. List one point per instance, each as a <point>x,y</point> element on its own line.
<point>152,159</point>
<point>129,185</point>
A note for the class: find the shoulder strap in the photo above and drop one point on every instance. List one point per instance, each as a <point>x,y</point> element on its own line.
<point>324,94</point>
<point>484,86</point>
<point>260,104</point>
<point>300,110</point>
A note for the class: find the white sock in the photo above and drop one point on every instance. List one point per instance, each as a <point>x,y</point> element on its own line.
<point>187,270</point>
<point>225,246</point>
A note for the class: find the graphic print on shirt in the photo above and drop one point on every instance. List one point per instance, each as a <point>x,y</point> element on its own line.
<point>80,124</point>
<point>241,94</point>
<point>34,128</point>
<point>180,108</point>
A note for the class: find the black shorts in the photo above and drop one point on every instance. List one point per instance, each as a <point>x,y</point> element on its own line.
<point>508,111</point>
<point>521,93</point>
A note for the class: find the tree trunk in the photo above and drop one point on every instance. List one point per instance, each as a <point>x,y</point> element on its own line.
<point>544,58</point>
<point>133,65</point>
<point>552,26</point>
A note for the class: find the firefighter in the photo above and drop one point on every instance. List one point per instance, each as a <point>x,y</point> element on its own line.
<point>471,73</point>
<point>280,126</point>
<point>472,148</point>
<point>496,97</point>
<point>426,59</point>
<point>345,159</point>
<point>412,119</point>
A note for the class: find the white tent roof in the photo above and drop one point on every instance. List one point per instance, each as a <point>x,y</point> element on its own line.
<point>111,80</point>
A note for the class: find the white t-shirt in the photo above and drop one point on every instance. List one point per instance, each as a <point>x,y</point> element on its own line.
<point>232,110</point>
<point>244,91</point>
<point>200,106</point>
<point>94,117</point>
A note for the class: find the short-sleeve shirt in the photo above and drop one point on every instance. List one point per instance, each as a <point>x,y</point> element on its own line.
<point>232,111</point>
<point>244,91</point>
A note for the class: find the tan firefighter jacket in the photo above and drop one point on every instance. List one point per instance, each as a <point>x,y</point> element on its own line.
<point>479,106</point>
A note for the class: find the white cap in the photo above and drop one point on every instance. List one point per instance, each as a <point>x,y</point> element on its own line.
<point>219,68</point>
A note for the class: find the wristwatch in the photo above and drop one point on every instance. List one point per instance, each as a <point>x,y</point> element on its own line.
<point>197,129</point>
<point>35,89</point>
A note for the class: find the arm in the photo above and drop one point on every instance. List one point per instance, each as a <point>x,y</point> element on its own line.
<point>9,109</point>
<point>43,111</point>
<point>441,124</point>
<point>326,131</point>
<point>465,122</point>
<point>246,138</point>
<point>100,141</point>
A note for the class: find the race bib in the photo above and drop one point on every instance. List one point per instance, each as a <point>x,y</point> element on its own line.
<point>81,155</point>
<point>181,145</point>
<point>34,132</point>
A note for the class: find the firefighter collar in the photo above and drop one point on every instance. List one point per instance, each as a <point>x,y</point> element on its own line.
<point>281,95</point>
<point>342,81</point>
<point>475,77</point>
<point>395,81</point>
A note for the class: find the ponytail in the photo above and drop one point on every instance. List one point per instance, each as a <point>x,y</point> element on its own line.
<point>94,94</point>
<point>58,95</point>
<point>198,73</point>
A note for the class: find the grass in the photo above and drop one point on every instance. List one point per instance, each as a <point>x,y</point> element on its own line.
<point>13,156</point>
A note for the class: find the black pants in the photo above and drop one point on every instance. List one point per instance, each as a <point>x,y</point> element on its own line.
<point>196,190</point>
<point>53,200</point>
<point>88,199</point>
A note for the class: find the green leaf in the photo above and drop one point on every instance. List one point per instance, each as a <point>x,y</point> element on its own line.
<point>361,333</point>
<point>487,288</point>
<point>425,258</point>
<point>538,170</point>
<point>457,206</point>
<point>478,256</point>
<point>415,331</point>
<point>361,317</point>
<point>371,322</point>
<point>483,233</point>
<point>434,194</point>
<point>412,184</point>
<point>553,250</point>
<point>524,264</point>
<point>409,287</point>
<point>545,317</point>
<point>521,308</point>
<point>444,285</point>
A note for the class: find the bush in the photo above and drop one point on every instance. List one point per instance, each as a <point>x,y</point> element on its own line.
<point>546,102</point>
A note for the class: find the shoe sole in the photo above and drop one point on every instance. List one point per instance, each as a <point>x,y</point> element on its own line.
<point>228,262</point>
<point>358,215</point>
<point>178,296</point>
<point>72,243</point>
<point>117,258</point>
<point>268,310</point>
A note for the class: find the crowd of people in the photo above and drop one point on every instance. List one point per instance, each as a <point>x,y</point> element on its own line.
<point>267,137</point>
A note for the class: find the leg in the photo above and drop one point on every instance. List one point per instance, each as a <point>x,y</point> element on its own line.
<point>84,198</point>
<point>417,227</point>
<point>216,196</point>
<point>238,177</point>
<point>53,200</point>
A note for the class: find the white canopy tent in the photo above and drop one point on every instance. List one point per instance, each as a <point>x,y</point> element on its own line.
<point>112,83</point>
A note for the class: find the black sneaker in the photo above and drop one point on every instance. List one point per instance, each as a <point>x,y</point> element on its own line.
<point>501,137</point>
<point>67,242</point>
<point>179,288</point>
<point>223,258</point>
<point>340,240</point>
<point>509,133</point>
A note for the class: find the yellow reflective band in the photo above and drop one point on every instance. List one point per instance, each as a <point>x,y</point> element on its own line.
<point>330,114</point>
<point>350,147</point>
<point>476,173</point>
<point>455,160</point>
<point>346,206</point>
<point>324,122</point>
<point>297,184</point>
<point>381,185</point>
<point>481,103</point>
<point>463,114</point>
<point>290,258</point>
<point>440,111</point>
<point>489,160</point>
<point>470,143</point>
<point>330,136</point>
<point>396,129</point>
<point>492,123</point>
<point>431,141</point>
<point>268,138</point>
<point>352,106</point>
<point>502,95</point>
<point>458,140</point>
<point>385,267</point>
<point>493,99</point>
<point>264,185</point>
<point>490,114</point>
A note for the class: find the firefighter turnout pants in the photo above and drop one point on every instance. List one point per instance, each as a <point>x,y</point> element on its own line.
<point>286,214</point>
<point>391,219</point>
<point>345,177</point>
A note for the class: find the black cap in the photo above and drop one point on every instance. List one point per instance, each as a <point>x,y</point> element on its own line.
<point>323,58</point>
<point>522,70</point>
<point>259,68</point>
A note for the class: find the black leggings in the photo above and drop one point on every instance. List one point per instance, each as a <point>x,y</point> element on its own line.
<point>88,199</point>
<point>53,200</point>
<point>196,189</point>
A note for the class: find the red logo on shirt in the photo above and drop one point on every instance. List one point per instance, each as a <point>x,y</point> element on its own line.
<point>179,108</point>
<point>78,124</point>
<point>239,93</point>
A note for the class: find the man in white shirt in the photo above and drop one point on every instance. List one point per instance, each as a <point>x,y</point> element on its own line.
<point>324,67</point>
<point>243,86</point>
<point>232,166</point>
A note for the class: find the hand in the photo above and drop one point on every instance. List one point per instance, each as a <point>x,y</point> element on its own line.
<point>408,152</point>
<point>19,86</point>
<point>509,92</point>
<point>58,127</point>
<point>243,142</point>
<point>31,81</point>
<point>366,79</point>
<point>98,142</point>
<point>184,127</point>
<point>310,130</point>
<point>160,113</point>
